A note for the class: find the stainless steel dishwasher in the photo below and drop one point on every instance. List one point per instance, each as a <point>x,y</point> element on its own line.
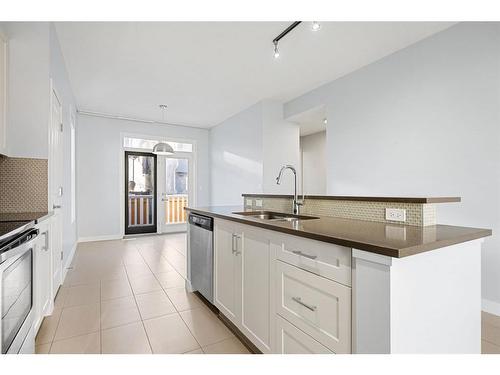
<point>201,249</point>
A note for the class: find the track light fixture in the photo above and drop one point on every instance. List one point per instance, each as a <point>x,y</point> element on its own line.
<point>276,51</point>
<point>315,27</point>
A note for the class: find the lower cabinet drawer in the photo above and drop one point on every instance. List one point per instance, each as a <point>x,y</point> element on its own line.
<point>291,340</point>
<point>316,305</point>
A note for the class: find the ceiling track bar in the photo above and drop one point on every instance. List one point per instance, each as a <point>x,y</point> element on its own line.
<point>286,31</point>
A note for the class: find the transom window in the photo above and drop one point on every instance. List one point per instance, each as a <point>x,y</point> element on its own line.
<point>148,144</point>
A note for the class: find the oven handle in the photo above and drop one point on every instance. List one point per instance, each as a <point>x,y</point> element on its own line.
<point>19,250</point>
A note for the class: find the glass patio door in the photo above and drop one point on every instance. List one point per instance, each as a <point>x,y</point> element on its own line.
<point>140,193</point>
<point>176,193</point>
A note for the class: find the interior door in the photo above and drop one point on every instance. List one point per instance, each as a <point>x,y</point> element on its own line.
<point>176,192</point>
<point>140,192</point>
<point>56,189</point>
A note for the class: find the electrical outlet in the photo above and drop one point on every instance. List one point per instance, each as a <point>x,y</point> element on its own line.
<point>258,202</point>
<point>395,214</point>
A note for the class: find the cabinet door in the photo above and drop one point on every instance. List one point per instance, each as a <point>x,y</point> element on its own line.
<point>254,248</point>
<point>226,272</point>
<point>42,276</point>
<point>291,340</point>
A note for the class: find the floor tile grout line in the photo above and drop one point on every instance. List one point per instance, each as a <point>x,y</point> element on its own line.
<point>137,306</point>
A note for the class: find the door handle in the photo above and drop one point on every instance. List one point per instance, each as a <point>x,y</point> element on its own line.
<point>307,306</point>
<point>56,206</point>
<point>46,245</point>
<point>300,253</point>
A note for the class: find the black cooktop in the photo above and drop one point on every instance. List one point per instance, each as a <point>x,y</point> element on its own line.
<point>11,229</point>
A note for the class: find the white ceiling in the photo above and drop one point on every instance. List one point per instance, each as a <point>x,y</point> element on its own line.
<point>208,71</point>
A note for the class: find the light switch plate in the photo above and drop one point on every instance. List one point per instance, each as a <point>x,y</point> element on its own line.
<point>395,214</point>
<point>258,202</point>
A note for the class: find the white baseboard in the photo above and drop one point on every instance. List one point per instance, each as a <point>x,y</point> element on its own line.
<point>68,261</point>
<point>491,307</point>
<point>101,238</point>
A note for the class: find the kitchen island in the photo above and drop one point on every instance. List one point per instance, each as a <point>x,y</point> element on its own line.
<point>320,284</point>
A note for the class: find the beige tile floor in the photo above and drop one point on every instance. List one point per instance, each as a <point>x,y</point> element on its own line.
<point>128,296</point>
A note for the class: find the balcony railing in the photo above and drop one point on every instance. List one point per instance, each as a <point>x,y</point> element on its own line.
<point>174,208</point>
<point>140,210</point>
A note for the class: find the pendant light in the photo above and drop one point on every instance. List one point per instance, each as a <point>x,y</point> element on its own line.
<point>163,148</point>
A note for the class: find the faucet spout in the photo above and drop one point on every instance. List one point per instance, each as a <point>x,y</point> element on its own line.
<point>296,202</point>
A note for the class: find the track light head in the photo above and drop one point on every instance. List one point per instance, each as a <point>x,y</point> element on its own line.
<point>276,51</point>
<point>315,26</point>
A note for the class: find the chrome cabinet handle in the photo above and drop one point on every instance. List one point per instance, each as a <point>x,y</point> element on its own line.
<point>232,243</point>
<point>304,255</point>
<point>54,206</point>
<point>235,239</point>
<point>299,301</point>
<point>46,245</point>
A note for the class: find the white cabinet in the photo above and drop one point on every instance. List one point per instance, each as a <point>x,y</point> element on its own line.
<point>243,274</point>
<point>226,271</point>
<point>257,274</point>
<point>318,306</point>
<point>3,94</point>
<point>291,340</point>
<point>283,307</point>
<point>42,275</point>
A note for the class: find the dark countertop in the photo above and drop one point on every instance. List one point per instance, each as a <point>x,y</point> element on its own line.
<point>394,240</point>
<point>364,199</point>
<point>37,217</point>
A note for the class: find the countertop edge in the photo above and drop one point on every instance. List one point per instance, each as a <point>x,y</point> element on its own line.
<point>366,246</point>
<point>421,200</point>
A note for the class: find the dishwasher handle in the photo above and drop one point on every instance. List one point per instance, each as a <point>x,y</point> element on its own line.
<point>201,221</point>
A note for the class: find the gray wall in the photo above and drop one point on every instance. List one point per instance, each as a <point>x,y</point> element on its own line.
<point>313,152</point>
<point>98,157</point>
<point>236,157</point>
<point>423,121</point>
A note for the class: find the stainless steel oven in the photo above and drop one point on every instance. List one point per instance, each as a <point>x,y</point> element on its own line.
<point>16,293</point>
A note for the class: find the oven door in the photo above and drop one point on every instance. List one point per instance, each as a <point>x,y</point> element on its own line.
<point>16,298</point>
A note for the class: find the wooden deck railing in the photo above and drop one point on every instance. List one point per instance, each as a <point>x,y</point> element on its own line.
<point>140,210</point>
<point>174,208</point>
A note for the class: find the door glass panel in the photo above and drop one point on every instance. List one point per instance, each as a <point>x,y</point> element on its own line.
<point>141,178</point>
<point>177,185</point>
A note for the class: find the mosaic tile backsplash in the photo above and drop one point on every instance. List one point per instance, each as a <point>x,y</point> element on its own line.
<point>417,214</point>
<point>23,185</point>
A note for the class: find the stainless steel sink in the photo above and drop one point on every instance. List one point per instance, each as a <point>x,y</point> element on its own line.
<point>274,216</point>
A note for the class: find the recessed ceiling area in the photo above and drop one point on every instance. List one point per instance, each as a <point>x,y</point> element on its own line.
<point>310,121</point>
<point>208,71</point>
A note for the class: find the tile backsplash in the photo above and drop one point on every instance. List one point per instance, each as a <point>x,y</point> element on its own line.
<point>417,214</point>
<point>23,185</point>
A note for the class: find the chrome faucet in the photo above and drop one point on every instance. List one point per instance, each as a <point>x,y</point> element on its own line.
<point>296,202</point>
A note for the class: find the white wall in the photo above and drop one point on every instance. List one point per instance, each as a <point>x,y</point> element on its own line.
<point>28,89</point>
<point>280,147</point>
<point>248,150</point>
<point>313,150</point>
<point>423,121</point>
<point>61,82</point>
<point>99,160</point>
<point>236,157</point>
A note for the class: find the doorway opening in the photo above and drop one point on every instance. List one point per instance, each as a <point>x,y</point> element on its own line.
<point>140,192</point>
<point>313,127</point>
<point>161,209</point>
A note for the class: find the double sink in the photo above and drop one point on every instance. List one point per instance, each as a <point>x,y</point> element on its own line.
<point>274,216</point>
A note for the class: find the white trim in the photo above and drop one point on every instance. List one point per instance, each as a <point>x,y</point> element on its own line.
<point>100,238</point>
<point>490,306</point>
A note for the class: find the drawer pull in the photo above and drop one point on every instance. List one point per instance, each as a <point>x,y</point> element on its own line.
<point>299,301</point>
<point>304,255</point>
